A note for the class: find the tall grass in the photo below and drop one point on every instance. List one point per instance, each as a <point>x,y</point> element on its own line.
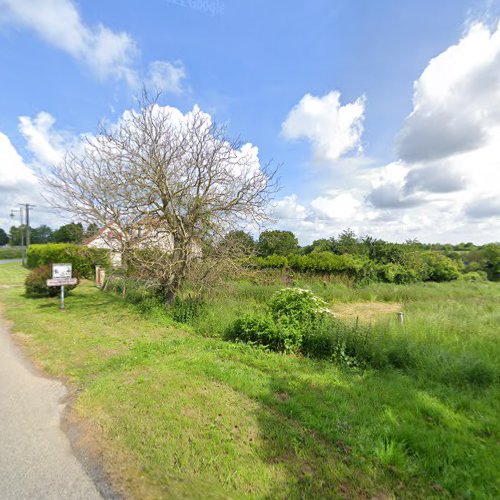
<point>450,332</point>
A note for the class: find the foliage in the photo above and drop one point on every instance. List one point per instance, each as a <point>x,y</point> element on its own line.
<point>36,283</point>
<point>439,267</point>
<point>83,259</point>
<point>292,426</point>
<point>296,305</point>
<point>291,312</point>
<point>16,235</point>
<point>4,239</point>
<point>186,310</point>
<point>240,240</point>
<point>277,243</point>
<point>69,233</point>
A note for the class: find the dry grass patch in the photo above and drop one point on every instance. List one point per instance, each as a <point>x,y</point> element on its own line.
<point>368,312</point>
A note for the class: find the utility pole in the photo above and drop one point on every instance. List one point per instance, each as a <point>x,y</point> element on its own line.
<point>21,229</point>
<point>27,207</point>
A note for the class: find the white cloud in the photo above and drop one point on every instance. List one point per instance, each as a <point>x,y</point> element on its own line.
<point>332,129</point>
<point>18,183</point>
<point>58,22</point>
<point>341,207</point>
<point>445,186</point>
<point>46,144</point>
<point>289,208</point>
<point>449,172</point>
<point>167,76</point>
<point>455,100</point>
<point>107,53</point>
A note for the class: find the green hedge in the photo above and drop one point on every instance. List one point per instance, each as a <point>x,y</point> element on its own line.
<point>83,259</point>
<point>422,266</point>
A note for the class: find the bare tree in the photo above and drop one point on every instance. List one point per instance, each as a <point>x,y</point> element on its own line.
<point>160,176</point>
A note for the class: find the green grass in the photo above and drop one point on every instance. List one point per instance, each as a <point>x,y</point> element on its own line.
<point>177,414</point>
<point>10,253</point>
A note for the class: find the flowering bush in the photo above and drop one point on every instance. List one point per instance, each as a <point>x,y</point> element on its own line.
<point>297,305</point>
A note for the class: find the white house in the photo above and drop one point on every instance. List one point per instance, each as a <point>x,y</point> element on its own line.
<point>111,238</point>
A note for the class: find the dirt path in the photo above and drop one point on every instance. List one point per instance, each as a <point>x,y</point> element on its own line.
<point>36,461</point>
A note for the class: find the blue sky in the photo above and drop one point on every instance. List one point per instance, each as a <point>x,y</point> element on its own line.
<point>250,64</point>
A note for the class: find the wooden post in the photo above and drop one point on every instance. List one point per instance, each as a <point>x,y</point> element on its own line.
<point>401,318</point>
<point>62,297</point>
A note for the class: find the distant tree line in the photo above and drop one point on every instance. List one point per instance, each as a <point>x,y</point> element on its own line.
<point>364,259</point>
<point>371,259</point>
<point>68,233</point>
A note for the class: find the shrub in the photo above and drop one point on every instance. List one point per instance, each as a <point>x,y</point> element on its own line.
<point>474,276</point>
<point>263,330</point>
<point>439,267</point>
<point>36,283</point>
<point>296,305</point>
<point>292,311</point>
<point>83,259</point>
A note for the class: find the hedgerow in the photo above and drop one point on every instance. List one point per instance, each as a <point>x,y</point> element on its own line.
<point>83,259</point>
<point>418,266</point>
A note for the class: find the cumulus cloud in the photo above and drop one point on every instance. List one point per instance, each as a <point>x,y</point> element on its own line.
<point>455,100</point>
<point>449,145</point>
<point>58,22</point>
<point>167,77</point>
<point>389,195</point>
<point>289,208</point>
<point>341,207</point>
<point>434,179</point>
<point>483,208</point>
<point>46,144</point>
<point>333,129</point>
<point>18,183</point>
<point>107,53</point>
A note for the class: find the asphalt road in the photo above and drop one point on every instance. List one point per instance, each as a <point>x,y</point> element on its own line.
<point>36,461</point>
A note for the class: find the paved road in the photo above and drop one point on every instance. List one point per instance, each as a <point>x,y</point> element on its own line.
<point>36,461</point>
<point>8,261</point>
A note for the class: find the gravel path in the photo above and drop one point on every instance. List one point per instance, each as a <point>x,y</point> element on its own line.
<point>36,460</point>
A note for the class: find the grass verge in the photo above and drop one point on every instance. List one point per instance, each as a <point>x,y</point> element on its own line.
<point>179,415</point>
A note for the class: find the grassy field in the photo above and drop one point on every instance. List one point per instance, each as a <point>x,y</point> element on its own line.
<point>178,412</point>
<point>10,253</point>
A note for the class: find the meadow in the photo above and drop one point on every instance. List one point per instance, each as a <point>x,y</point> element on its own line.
<point>176,410</point>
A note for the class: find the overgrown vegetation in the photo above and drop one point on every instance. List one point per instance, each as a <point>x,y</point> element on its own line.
<point>367,260</point>
<point>359,409</point>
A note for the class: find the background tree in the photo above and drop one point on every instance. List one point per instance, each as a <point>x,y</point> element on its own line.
<point>15,233</point>
<point>69,233</point>
<point>159,173</point>
<point>92,230</point>
<point>4,239</point>
<point>277,243</point>
<point>242,240</point>
<point>41,234</point>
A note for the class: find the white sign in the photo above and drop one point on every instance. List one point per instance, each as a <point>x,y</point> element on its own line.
<point>61,271</point>
<point>62,281</point>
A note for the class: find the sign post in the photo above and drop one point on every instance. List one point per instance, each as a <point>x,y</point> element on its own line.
<point>61,275</point>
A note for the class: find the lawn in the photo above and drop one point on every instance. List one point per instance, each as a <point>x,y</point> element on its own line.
<point>178,412</point>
